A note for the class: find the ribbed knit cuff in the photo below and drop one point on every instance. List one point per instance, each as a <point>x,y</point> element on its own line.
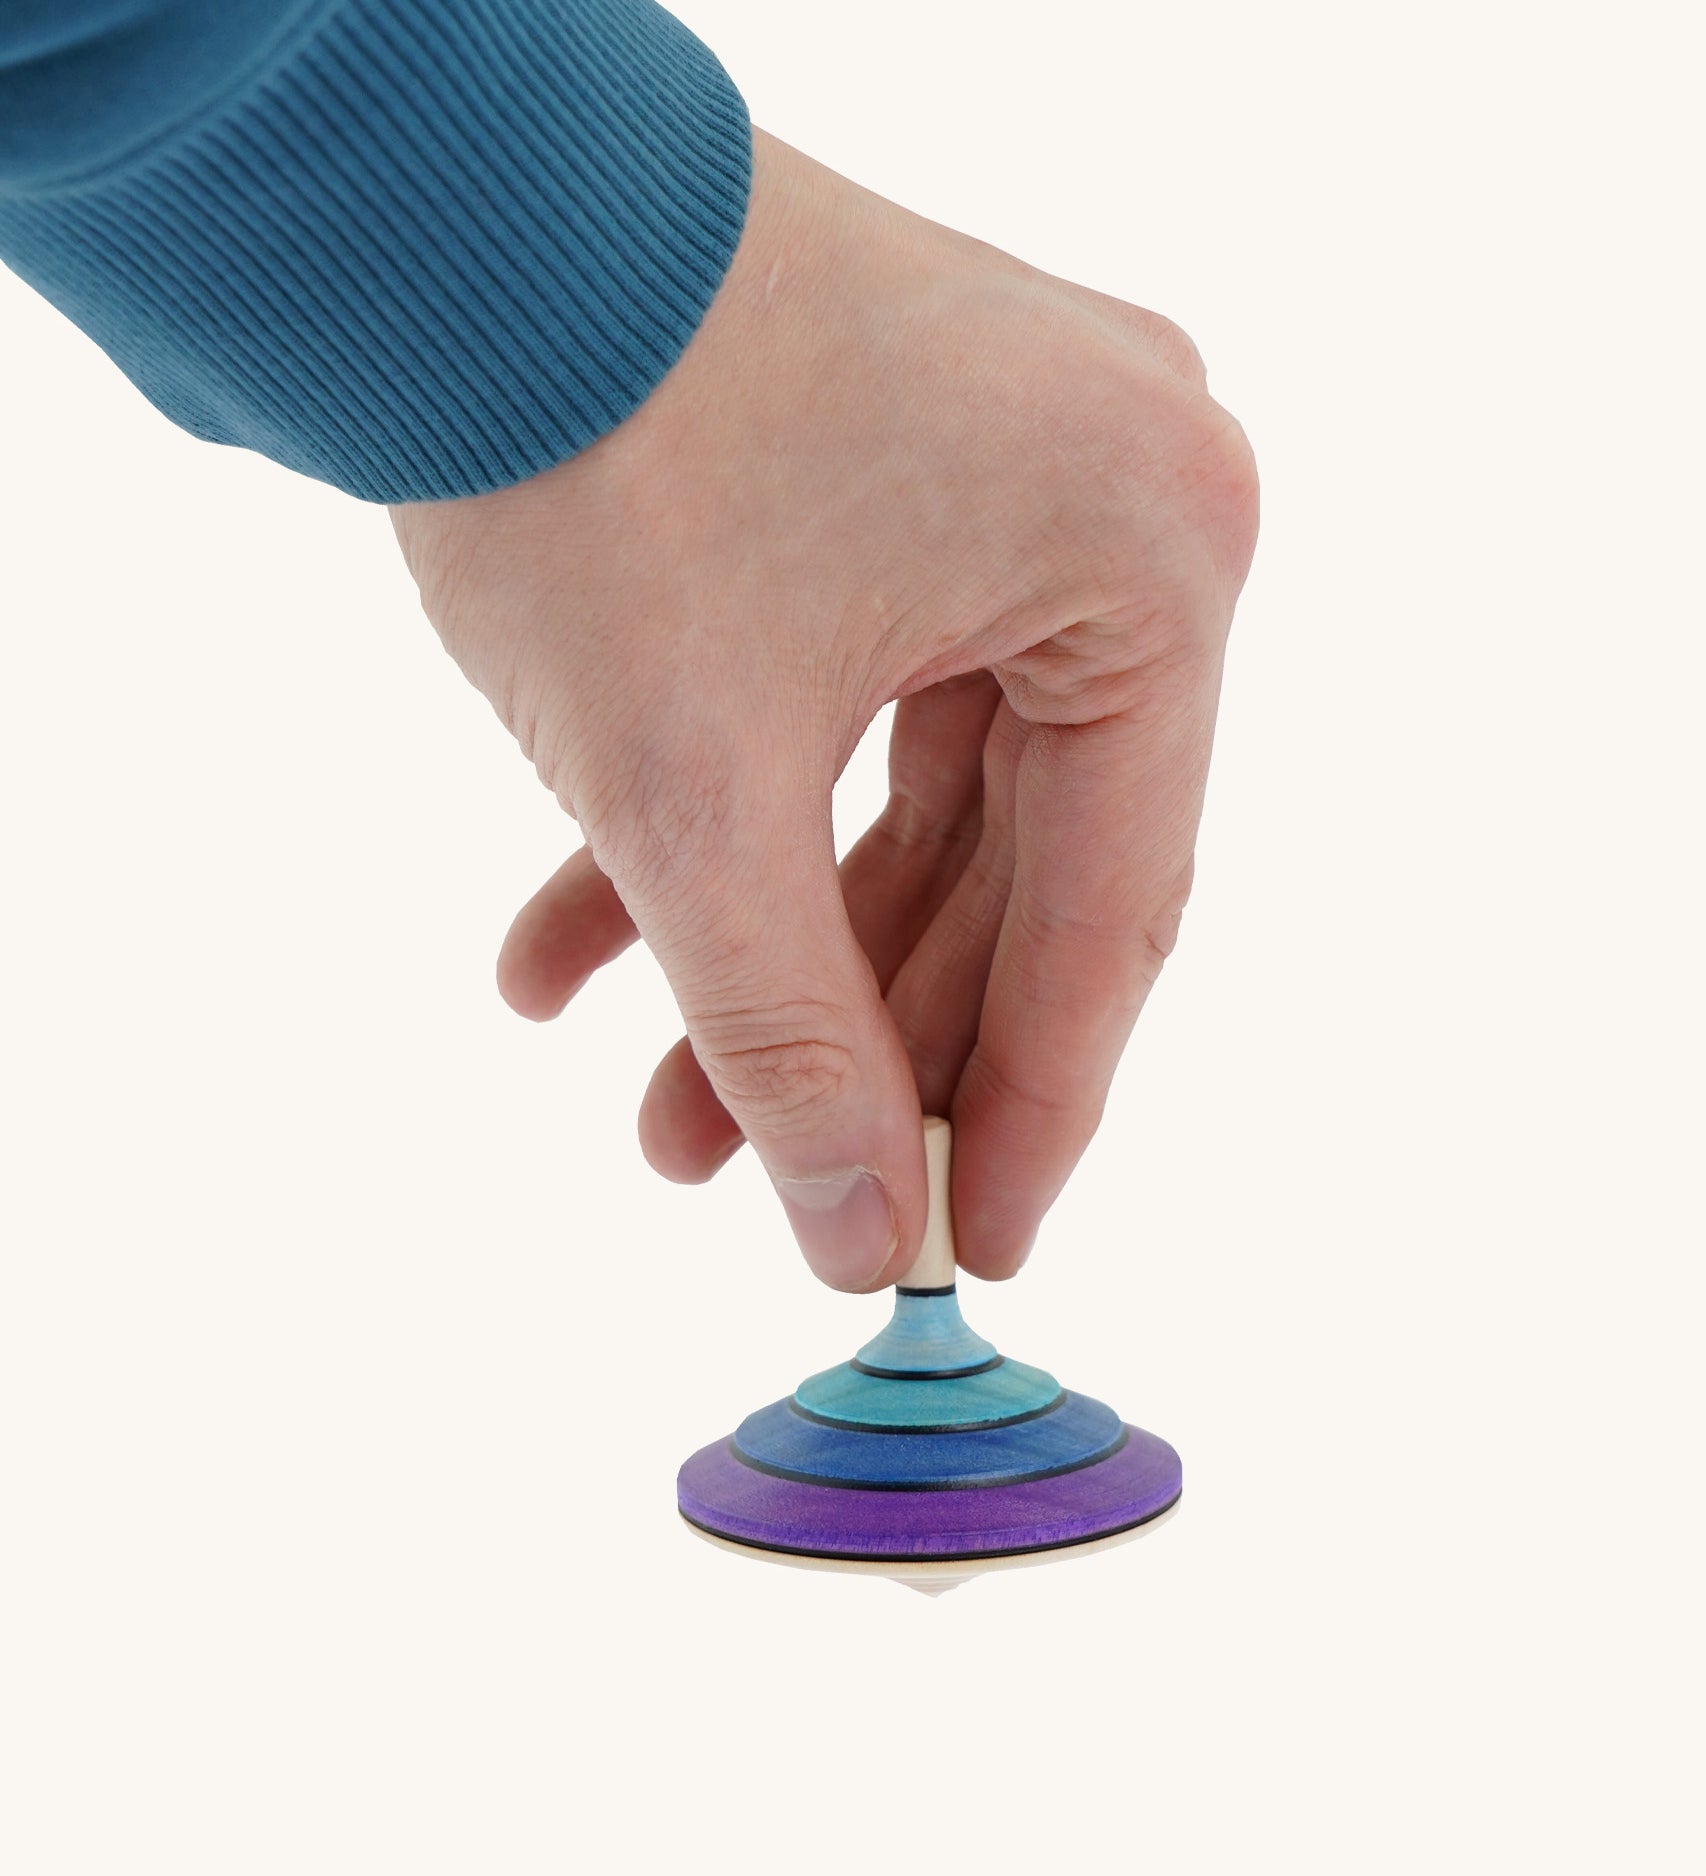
<point>433,247</point>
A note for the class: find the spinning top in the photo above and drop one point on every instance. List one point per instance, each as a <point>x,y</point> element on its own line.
<point>928,1457</point>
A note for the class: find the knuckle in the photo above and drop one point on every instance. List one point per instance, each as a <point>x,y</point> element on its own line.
<point>1167,342</point>
<point>1121,965</point>
<point>776,1066</point>
<point>1153,946</point>
<point>651,819</point>
<point>1194,461</point>
<point>1183,507</point>
<point>1174,347</point>
<point>1229,489</point>
<point>912,824</point>
<point>1049,1121</point>
<point>1119,935</point>
<point>1157,936</point>
<point>1085,671</point>
<point>989,1078</point>
<point>1163,513</point>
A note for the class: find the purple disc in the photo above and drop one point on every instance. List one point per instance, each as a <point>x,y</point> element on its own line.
<point>720,1494</point>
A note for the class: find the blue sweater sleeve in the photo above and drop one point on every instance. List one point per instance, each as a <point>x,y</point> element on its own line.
<point>415,248</point>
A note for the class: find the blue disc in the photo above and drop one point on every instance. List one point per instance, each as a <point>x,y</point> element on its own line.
<point>1077,1431</point>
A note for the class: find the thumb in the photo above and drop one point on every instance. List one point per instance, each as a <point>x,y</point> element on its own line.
<point>742,906</point>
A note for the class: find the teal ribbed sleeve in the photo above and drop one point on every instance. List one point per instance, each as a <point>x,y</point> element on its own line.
<point>415,248</point>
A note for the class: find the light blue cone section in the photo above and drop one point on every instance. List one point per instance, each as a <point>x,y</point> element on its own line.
<point>926,1334</point>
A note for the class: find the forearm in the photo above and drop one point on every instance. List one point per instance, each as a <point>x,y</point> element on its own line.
<point>416,248</point>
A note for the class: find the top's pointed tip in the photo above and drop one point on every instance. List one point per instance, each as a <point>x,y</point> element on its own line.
<point>939,1586</point>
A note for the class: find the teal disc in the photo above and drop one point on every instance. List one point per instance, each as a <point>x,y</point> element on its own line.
<point>846,1396</point>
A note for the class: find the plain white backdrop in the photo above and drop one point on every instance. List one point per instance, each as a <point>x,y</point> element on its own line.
<point>348,1348</point>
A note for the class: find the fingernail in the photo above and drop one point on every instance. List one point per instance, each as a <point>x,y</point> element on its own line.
<point>844,1223</point>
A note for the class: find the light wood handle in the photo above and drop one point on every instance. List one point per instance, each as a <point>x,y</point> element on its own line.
<point>934,1266</point>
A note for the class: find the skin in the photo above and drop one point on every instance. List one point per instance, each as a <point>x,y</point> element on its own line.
<point>893,463</point>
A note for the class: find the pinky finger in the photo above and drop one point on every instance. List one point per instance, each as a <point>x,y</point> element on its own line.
<point>571,927</point>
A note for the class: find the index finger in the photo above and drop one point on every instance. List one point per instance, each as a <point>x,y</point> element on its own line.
<point>1106,824</point>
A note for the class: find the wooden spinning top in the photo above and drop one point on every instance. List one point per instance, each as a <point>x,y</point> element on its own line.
<point>929,1457</point>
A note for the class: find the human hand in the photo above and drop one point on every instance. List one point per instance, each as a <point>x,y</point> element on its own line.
<point>892,463</point>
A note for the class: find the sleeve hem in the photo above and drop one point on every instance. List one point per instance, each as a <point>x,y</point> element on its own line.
<point>440,246</point>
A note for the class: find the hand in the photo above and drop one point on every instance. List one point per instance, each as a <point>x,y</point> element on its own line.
<point>892,463</point>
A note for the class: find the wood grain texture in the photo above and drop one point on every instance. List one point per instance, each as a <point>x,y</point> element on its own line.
<point>936,1263</point>
<point>931,1576</point>
<point>844,1394</point>
<point>928,1444</point>
<point>719,1494</point>
<point>1075,1433</point>
<point>926,1335</point>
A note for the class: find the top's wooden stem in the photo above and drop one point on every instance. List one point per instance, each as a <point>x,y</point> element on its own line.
<point>934,1267</point>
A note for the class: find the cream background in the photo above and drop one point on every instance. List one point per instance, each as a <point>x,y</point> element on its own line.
<point>347,1348</point>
